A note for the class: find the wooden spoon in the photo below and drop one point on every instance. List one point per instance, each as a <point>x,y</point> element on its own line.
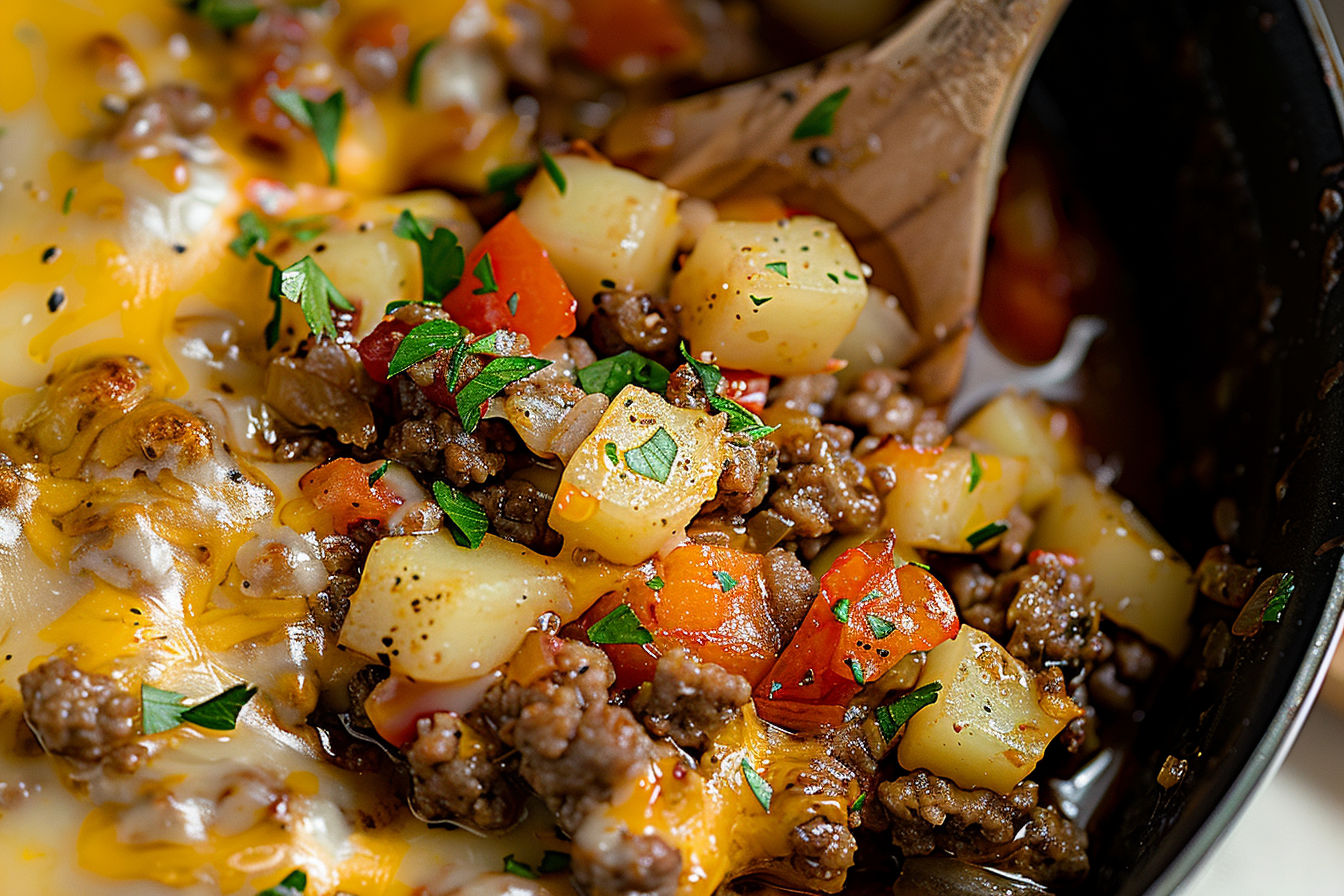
<point>910,170</point>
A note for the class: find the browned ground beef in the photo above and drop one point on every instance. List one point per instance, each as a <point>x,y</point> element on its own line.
<point>878,403</point>
<point>633,320</point>
<point>690,701</point>
<point>790,588</point>
<point>745,478</point>
<point>629,865</point>
<point>1050,617</point>
<point>822,849</point>
<point>468,785</point>
<point>809,394</point>
<point>161,120</point>
<point>684,389</point>
<point>80,715</point>
<point>928,813</point>
<point>819,487</point>
<point>518,511</point>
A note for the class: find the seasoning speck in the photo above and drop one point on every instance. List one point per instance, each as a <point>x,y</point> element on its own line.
<point>50,254</point>
<point>821,156</point>
<point>56,300</point>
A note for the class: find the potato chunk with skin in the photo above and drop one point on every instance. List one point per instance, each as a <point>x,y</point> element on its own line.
<point>935,505</point>
<point>610,224</point>
<point>1140,581</point>
<point>993,718</point>
<point>776,297</point>
<point>628,490</point>
<point>441,612</point>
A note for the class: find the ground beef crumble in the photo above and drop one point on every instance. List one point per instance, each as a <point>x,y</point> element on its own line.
<point>456,775</point>
<point>820,484</point>
<point>690,701</point>
<point>82,716</point>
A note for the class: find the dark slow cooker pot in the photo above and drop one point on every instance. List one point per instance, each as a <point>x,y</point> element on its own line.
<point>1206,137</point>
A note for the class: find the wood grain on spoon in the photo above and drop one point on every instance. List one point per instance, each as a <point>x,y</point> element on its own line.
<point>910,170</point>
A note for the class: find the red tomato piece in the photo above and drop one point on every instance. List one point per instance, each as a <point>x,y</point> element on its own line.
<point>341,488</point>
<point>870,613</point>
<point>377,348</point>
<point>529,297</point>
<point>746,387</point>
<point>611,33</point>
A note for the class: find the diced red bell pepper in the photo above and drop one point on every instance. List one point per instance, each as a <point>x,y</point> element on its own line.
<point>376,351</point>
<point>713,602</point>
<point>746,387</point>
<point>529,297</point>
<point>341,488</point>
<point>891,609</point>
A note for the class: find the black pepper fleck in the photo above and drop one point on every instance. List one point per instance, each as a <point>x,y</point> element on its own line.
<point>821,156</point>
<point>50,254</point>
<point>56,301</point>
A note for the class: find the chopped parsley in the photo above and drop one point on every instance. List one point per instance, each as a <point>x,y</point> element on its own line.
<point>830,276</point>
<point>856,670</point>
<point>68,201</point>
<point>758,301</point>
<point>294,884</point>
<point>870,595</point>
<point>513,304</point>
<point>760,788</point>
<point>977,472</point>
<point>740,420</point>
<point>850,275</point>
<point>654,459</point>
<point>414,74</point>
<point>423,342</point>
<point>612,453</point>
<point>656,583</point>
<point>513,866</point>
<point>441,257</point>
<point>505,180</point>
<point>880,627</point>
<point>620,626</point>
<point>610,375</point>
<point>553,861</point>
<point>252,232</point>
<point>1278,602</point>
<point>820,119</point>
<point>774,686</point>
<point>985,533</point>
<point>306,285</point>
<point>485,273</point>
<point>225,15</point>
<point>923,566</point>
<point>858,802</point>
<point>553,172</point>
<point>890,718</point>
<point>497,374</point>
<point>379,473</point>
<point>466,519</point>
<point>726,582</point>
<point>841,610</point>
<point>162,710</point>
<point>323,119</point>
<point>779,267</point>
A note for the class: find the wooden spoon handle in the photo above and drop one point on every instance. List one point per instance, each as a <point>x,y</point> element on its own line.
<point>910,170</point>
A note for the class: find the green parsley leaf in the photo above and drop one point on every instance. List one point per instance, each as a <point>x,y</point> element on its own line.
<point>855,669</point>
<point>508,177</point>
<point>620,626</point>
<point>225,15</point>
<point>466,519</point>
<point>162,710</point>
<point>307,227</point>
<point>759,300</point>
<point>740,420</point>
<point>870,595</point>
<point>656,583</point>
<point>252,232</point>
<point>654,459</point>
<point>485,272</point>
<point>306,285</point>
<point>923,566</point>
<point>553,861</point>
<point>726,582</point>
<point>494,376</point>
<point>1278,602</point>
<point>977,472</point>
<point>841,611</point>
<point>774,686</point>
<point>820,119</point>
<point>610,375</point>
<point>830,276</point>
<point>68,201</point>
<point>985,533</point>
<point>881,627</point>
<point>612,454</point>
<point>553,171</point>
<point>779,267</point>
<point>379,473</point>
<point>442,259</point>
<point>760,787</point>
<point>513,304</point>
<point>512,866</point>
<point>425,341</point>
<point>858,802</point>
<point>890,718</point>
<point>414,74</point>
<point>850,275</point>
<point>294,884</point>
<point>323,119</point>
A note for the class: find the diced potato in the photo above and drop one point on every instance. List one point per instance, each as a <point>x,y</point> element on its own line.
<point>787,320</point>
<point>1140,582</point>
<point>1027,427</point>
<point>933,505</point>
<point>604,505</point>
<point>441,612</point>
<point>882,337</point>
<point>610,224</point>
<point>993,718</point>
